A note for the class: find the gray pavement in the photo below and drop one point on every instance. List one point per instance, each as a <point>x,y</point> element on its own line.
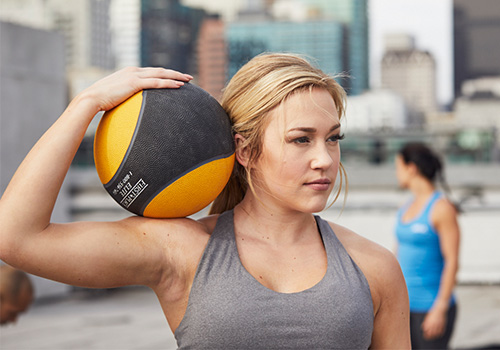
<point>131,318</point>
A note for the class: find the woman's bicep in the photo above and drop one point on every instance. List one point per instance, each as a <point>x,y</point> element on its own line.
<point>91,254</point>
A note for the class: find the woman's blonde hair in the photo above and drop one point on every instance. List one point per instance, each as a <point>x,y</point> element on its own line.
<point>258,87</point>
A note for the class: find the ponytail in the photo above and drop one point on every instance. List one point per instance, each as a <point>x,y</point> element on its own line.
<point>233,192</point>
<point>447,191</point>
<point>429,166</point>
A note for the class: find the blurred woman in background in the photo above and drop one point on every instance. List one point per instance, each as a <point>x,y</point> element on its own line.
<point>428,237</point>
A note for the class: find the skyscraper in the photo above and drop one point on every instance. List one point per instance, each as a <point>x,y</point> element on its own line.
<point>476,33</point>
<point>125,20</point>
<point>212,56</point>
<point>412,74</point>
<point>353,14</point>
<point>320,40</point>
<point>84,24</point>
<point>335,32</point>
<point>169,32</point>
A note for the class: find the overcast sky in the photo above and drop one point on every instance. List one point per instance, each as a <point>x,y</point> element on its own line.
<point>431,24</point>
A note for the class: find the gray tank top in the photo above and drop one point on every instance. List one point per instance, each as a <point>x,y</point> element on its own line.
<point>229,309</point>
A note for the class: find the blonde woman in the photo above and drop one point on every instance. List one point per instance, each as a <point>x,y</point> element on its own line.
<point>262,271</point>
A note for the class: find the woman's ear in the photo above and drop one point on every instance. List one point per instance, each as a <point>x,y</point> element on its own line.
<point>242,151</point>
<point>412,168</point>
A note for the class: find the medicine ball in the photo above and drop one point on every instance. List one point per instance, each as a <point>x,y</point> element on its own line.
<point>165,153</point>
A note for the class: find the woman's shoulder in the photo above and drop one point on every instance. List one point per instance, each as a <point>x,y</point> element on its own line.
<point>443,206</point>
<point>444,214</point>
<point>184,225</point>
<point>181,230</point>
<point>378,264</point>
<point>175,233</point>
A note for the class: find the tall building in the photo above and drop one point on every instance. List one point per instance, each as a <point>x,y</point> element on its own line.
<point>125,21</point>
<point>212,56</point>
<point>476,33</point>
<point>169,32</point>
<point>410,73</point>
<point>347,47</point>
<point>30,13</point>
<point>85,27</point>
<point>479,104</point>
<point>100,34</point>
<point>320,40</point>
<point>353,14</point>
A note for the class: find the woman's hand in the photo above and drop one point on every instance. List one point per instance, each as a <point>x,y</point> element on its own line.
<point>117,87</point>
<point>434,324</point>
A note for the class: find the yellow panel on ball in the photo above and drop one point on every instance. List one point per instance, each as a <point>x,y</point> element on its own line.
<point>114,135</point>
<point>193,191</point>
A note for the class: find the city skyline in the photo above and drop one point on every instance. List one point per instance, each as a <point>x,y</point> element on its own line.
<point>432,33</point>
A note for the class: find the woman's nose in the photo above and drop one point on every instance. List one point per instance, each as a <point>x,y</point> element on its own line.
<point>323,158</point>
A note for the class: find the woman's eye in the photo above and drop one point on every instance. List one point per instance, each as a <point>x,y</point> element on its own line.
<point>303,139</point>
<point>336,138</point>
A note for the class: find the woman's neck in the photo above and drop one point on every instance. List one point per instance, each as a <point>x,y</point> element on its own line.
<point>421,187</point>
<point>277,225</point>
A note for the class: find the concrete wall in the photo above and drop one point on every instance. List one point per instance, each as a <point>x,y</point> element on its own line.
<point>32,96</point>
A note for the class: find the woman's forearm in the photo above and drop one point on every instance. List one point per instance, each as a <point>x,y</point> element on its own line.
<point>448,282</point>
<point>27,203</point>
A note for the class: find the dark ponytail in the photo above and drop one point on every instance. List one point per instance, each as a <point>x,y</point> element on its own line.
<point>429,165</point>
<point>233,192</point>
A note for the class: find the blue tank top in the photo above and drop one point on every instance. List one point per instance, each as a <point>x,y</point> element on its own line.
<point>229,309</point>
<point>420,257</point>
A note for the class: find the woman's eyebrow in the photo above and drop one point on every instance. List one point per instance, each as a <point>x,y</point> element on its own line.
<point>313,130</point>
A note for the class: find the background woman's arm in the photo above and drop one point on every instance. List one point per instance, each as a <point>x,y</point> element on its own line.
<point>444,218</point>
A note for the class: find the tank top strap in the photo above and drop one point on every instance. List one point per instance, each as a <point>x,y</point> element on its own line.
<point>426,214</point>
<point>339,259</point>
<point>330,241</point>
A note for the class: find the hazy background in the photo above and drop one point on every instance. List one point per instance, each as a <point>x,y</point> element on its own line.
<point>426,70</point>
<point>419,70</point>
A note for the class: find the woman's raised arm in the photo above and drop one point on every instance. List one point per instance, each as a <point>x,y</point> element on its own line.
<point>89,254</point>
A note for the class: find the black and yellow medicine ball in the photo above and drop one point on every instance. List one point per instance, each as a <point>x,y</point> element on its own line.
<point>165,153</point>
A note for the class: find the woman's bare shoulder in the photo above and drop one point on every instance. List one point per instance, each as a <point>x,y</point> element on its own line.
<point>179,237</point>
<point>443,209</point>
<point>171,226</point>
<point>379,265</point>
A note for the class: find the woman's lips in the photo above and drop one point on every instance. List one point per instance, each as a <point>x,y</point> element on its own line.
<point>319,185</point>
